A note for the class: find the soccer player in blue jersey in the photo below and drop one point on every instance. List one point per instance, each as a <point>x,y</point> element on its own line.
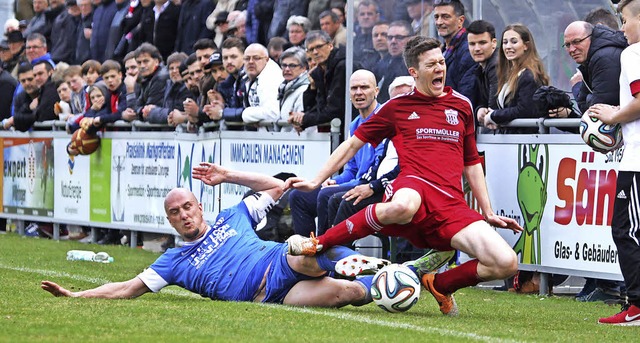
<point>226,260</point>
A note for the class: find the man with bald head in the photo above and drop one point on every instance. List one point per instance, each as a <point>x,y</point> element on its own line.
<point>305,206</point>
<point>225,259</point>
<point>597,51</point>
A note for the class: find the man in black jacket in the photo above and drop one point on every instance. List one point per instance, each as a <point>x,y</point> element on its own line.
<point>482,41</point>
<point>192,24</point>
<point>40,96</point>
<point>153,79</point>
<point>324,99</point>
<point>597,50</point>
<point>65,26</point>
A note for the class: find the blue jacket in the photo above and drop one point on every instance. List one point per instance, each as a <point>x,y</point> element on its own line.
<point>360,163</point>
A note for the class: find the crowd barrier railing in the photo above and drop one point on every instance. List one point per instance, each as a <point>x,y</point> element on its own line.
<point>122,185</point>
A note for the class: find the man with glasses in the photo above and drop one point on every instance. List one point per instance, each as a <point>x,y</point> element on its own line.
<point>36,49</point>
<point>597,51</point>
<point>392,66</point>
<point>324,99</point>
<point>449,18</point>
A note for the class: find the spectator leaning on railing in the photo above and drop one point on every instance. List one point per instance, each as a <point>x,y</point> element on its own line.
<point>324,99</point>
<point>520,74</point>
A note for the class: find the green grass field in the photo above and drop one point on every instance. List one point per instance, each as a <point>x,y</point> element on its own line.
<point>29,314</point>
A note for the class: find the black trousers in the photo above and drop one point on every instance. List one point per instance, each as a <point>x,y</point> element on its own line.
<point>625,227</point>
<point>339,209</point>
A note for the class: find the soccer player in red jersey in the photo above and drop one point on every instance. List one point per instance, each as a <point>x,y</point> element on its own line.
<point>433,131</point>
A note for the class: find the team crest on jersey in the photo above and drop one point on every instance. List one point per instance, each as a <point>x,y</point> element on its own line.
<point>452,116</point>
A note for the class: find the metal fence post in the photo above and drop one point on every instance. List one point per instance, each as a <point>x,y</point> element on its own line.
<point>335,133</point>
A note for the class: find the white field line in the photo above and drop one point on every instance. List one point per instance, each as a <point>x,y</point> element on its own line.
<point>340,315</point>
<point>366,320</point>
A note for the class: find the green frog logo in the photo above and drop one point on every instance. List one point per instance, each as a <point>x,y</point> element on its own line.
<point>533,163</point>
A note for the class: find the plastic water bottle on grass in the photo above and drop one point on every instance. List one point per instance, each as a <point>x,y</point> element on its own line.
<point>85,255</point>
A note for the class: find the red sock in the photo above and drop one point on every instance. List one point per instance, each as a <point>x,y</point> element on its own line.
<point>462,276</point>
<point>357,226</point>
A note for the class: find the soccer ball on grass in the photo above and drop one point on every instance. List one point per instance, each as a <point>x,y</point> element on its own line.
<point>395,288</point>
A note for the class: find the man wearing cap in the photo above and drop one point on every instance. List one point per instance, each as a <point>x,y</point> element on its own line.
<point>220,27</point>
<point>63,49</point>
<point>15,41</point>
<point>216,68</point>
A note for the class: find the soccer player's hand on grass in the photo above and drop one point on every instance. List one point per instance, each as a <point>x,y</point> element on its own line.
<point>55,289</point>
<point>503,222</point>
<point>209,173</point>
<point>300,183</point>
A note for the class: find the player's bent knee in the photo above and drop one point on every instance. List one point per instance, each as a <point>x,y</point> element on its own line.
<point>398,213</point>
<point>506,265</point>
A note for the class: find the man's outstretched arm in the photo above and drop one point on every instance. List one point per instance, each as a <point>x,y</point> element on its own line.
<point>213,174</point>
<point>115,290</point>
<point>338,158</point>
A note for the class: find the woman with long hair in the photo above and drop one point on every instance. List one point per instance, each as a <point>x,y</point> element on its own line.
<point>520,73</point>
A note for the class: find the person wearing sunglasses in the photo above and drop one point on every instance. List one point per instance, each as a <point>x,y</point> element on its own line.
<point>449,19</point>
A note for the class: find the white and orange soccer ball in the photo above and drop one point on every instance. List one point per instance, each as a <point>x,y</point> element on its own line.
<point>395,288</point>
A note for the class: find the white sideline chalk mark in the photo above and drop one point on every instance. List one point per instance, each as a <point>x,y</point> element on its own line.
<point>395,325</point>
<point>345,316</point>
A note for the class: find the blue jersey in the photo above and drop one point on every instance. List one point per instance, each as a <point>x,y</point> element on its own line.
<point>227,263</point>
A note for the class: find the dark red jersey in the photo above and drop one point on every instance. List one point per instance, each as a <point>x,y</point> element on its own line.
<point>434,137</point>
